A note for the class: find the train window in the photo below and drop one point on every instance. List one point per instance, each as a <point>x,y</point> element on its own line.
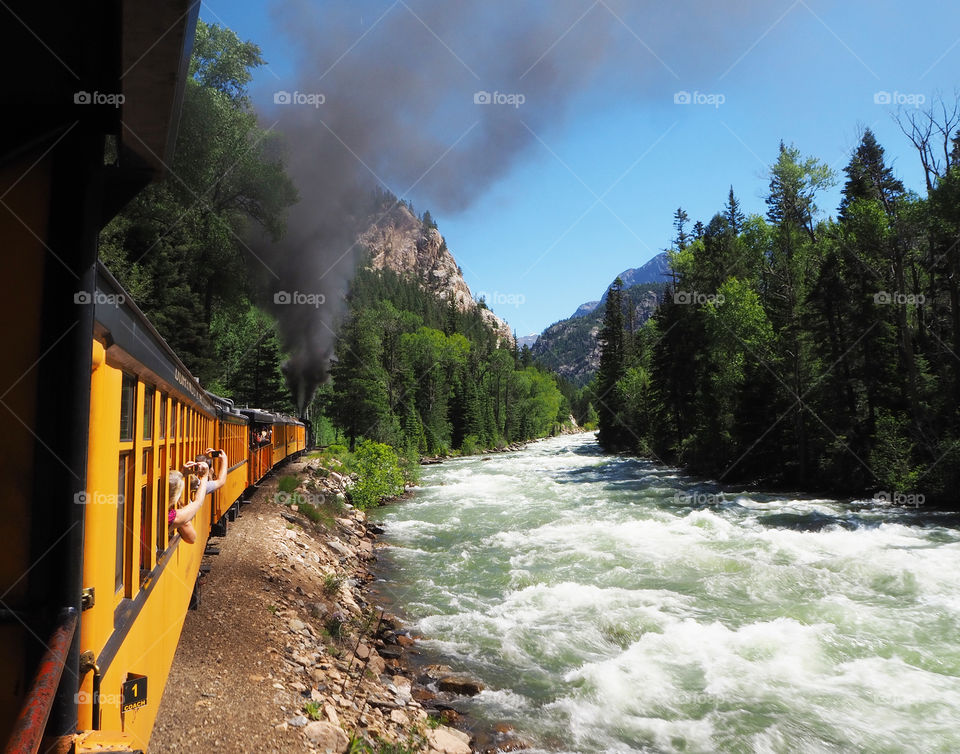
<point>174,420</point>
<point>121,509</point>
<point>145,537</point>
<point>163,416</point>
<point>148,395</point>
<point>161,517</point>
<point>161,525</point>
<point>128,398</point>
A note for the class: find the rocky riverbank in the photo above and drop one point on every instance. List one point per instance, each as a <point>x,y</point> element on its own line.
<point>286,653</point>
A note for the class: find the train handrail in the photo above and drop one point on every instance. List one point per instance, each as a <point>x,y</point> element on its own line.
<point>32,721</point>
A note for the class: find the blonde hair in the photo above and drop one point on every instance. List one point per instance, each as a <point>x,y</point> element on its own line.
<point>175,481</point>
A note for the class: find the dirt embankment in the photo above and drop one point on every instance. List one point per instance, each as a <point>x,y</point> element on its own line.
<point>285,654</point>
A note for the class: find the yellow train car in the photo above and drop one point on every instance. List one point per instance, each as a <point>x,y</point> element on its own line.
<point>279,439</point>
<point>97,407</point>
<point>233,436</point>
<point>291,429</point>
<point>261,444</point>
<point>58,190</point>
<point>148,415</point>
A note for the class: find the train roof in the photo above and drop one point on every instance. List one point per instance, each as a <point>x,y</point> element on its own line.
<point>259,415</point>
<point>266,417</point>
<point>226,409</point>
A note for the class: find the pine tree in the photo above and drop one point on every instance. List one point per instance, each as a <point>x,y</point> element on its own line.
<point>680,220</point>
<point>868,177</point>
<point>612,368</point>
<point>734,215</point>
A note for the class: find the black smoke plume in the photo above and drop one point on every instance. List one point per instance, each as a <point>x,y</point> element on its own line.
<point>435,100</point>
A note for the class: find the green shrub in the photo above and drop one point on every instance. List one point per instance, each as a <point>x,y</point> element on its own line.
<point>313,710</point>
<point>288,483</point>
<point>379,472</point>
<point>316,514</point>
<point>332,584</point>
<point>336,626</point>
<point>470,446</point>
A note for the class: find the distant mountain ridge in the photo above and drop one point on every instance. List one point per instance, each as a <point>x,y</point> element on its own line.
<point>569,347</point>
<point>657,270</point>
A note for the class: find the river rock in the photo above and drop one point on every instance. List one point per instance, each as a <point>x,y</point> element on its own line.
<point>296,625</point>
<point>446,740</point>
<point>339,548</point>
<point>460,684</point>
<point>327,737</point>
<point>437,671</point>
<point>376,664</point>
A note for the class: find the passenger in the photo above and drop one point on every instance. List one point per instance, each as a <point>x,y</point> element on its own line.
<point>217,455</point>
<point>180,519</point>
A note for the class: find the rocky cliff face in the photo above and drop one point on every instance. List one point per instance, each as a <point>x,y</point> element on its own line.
<point>400,242</point>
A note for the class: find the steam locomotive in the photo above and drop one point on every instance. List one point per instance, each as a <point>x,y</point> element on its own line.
<point>95,406</point>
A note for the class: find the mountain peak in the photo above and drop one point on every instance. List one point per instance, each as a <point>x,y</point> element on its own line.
<point>401,242</point>
<point>657,270</point>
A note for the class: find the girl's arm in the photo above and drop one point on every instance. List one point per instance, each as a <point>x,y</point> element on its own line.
<point>186,513</point>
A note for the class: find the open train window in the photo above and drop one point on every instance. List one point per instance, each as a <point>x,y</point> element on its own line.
<point>163,416</point>
<point>121,510</point>
<point>162,503</point>
<point>128,399</point>
<point>148,395</point>
<point>145,538</point>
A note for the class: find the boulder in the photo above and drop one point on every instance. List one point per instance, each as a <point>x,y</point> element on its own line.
<point>328,738</point>
<point>460,684</point>
<point>448,740</point>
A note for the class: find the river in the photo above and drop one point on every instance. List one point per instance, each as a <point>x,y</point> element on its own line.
<point>610,604</point>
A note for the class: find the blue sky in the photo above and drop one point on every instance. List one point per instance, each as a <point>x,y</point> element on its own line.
<point>595,193</point>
